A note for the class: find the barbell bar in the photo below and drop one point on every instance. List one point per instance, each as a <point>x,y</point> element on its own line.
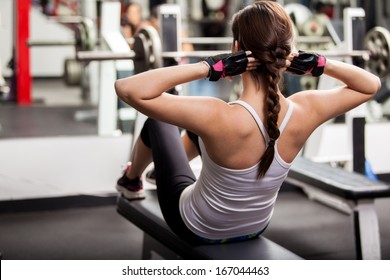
<point>88,56</point>
<point>202,54</point>
<point>147,52</point>
<point>109,55</point>
<point>229,40</point>
<point>50,43</point>
<point>66,19</point>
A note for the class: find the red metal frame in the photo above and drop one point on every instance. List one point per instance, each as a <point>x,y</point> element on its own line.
<point>22,59</point>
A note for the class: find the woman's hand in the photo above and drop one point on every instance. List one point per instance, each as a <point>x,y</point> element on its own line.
<point>253,63</point>
<point>230,64</point>
<point>307,63</point>
<point>289,59</point>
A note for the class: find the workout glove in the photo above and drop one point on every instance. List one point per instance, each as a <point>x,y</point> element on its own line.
<point>228,64</point>
<point>307,63</point>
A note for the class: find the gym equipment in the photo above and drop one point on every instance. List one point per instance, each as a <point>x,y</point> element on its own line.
<point>85,37</point>
<point>314,26</point>
<point>147,46</point>
<point>377,42</point>
<point>73,72</point>
<point>298,13</point>
<point>146,214</point>
<point>208,40</point>
<point>308,24</point>
<point>85,40</point>
<point>319,26</point>
<point>229,40</point>
<point>349,192</point>
<point>376,56</point>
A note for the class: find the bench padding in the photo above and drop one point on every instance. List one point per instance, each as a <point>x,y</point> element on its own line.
<point>147,216</point>
<point>344,184</point>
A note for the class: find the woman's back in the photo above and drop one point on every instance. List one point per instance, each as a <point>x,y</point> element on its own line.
<point>239,143</point>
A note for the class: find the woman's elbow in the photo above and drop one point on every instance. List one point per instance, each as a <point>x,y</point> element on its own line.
<point>120,89</point>
<point>376,85</point>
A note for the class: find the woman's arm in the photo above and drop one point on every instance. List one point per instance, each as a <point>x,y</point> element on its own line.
<point>146,91</point>
<point>322,105</point>
<point>353,77</point>
<point>149,85</point>
<point>138,89</point>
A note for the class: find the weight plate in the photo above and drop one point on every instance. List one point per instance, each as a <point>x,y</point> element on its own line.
<point>298,13</point>
<point>90,34</point>
<point>141,49</point>
<point>80,37</point>
<point>73,72</point>
<point>314,26</point>
<point>377,43</point>
<point>155,44</point>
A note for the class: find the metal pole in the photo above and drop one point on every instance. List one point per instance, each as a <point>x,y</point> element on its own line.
<point>358,144</point>
<point>47,43</point>
<point>22,54</point>
<point>109,55</point>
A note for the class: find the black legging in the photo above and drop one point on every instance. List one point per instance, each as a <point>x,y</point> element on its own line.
<point>173,172</point>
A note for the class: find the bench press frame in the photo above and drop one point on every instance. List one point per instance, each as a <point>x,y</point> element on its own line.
<point>349,192</point>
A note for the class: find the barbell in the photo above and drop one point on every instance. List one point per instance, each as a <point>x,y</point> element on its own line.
<point>147,52</point>
<point>85,39</point>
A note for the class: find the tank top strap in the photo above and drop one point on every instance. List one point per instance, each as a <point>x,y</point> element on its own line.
<point>260,124</point>
<point>255,116</point>
<point>287,117</point>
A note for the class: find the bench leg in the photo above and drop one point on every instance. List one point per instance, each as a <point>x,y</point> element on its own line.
<point>366,230</point>
<point>154,250</point>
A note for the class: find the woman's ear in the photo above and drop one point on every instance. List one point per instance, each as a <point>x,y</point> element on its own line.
<point>235,46</point>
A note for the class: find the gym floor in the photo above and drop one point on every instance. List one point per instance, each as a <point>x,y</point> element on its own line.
<point>57,196</point>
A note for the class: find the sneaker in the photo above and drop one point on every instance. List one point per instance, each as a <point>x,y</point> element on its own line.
<point>131,189</point>
<point>150,177</point>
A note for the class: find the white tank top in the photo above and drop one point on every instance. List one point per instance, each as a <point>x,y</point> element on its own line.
<point>227,203</point>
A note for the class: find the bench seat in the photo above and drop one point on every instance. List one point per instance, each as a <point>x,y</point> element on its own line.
<point>348,185</point>
<point>147,216</point>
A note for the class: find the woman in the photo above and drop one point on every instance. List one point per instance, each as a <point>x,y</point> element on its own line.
<point>133,19</point>
<point>247,146</point>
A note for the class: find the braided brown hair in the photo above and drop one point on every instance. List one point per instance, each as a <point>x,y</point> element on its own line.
<point>265,29</point>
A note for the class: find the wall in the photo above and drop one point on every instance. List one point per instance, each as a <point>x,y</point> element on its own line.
<point>45,61</point>
<point>6,31</point>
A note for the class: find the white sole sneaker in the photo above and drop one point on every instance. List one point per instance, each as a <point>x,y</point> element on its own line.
<point>130,194</point>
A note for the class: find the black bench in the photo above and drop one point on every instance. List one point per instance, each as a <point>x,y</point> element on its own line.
<point>349,192</point>
<point>158,238</point>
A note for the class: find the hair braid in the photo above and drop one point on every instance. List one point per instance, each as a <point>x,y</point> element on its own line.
<point>271,112</point>
<point>266,30</point>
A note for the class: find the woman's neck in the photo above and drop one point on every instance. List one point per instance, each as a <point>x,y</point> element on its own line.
<point>251,89</point>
